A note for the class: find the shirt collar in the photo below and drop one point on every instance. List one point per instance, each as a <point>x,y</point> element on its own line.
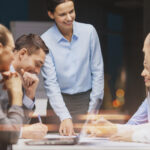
<point>75,30</point>
<point>57,33</point>
<point>12,69</point>
<point>60,37</point>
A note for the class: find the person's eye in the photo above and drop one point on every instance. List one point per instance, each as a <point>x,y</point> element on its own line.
<point>38,65</point>
<point>62,15</point>
<point>71,11</point>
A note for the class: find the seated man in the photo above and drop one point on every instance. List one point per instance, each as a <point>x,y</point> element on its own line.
<point>29,56</point>
<point>138,127</point>
<point>11,122</point>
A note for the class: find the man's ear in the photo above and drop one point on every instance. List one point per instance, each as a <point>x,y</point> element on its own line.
<point>22,53</point>
<point>1,47</point>
<point>50,14</point>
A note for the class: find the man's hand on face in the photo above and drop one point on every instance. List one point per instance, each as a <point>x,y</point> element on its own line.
<point>30,83</point>
<point>12,83</point>
<point>66,128</point>
<point>34,131</point>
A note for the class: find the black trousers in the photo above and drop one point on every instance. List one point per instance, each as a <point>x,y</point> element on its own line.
<point>77,105</point>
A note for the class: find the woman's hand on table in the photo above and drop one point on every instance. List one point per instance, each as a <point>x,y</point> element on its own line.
<point>66,128</point>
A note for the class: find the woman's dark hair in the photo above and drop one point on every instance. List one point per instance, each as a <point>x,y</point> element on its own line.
<point>4,35</point>
<point>52,4</point>
<point>32,42</point>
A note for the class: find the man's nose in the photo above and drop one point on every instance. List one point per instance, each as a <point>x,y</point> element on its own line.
<point>12,56</point>
<point>37,70</point>
<point>69,17</point>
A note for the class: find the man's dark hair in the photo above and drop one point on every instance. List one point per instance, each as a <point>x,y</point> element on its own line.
<point>52,4</point>
<point>32,42</point>
<point>4,35</point>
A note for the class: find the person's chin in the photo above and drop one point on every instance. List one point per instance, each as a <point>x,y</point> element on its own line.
<point>69,24</point>
<point>147,85</point>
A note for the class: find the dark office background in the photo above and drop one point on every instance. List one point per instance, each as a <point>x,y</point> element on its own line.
<point>121,25</point>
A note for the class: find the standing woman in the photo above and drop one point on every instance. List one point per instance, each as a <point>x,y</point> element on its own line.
<point>73,70</point>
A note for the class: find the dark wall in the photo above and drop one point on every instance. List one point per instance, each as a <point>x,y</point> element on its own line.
<point>133,33</point>
<point>37,10</point>
<point>146,17</point>
<point>12,10</point>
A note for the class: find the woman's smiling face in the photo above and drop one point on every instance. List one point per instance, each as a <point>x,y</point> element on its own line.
<point>64,15</point>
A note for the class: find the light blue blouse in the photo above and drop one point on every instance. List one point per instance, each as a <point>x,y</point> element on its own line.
<point>73,67</point>
<point>142,115</point>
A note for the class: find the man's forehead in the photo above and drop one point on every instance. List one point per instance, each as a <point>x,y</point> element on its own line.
<point>39,57</point>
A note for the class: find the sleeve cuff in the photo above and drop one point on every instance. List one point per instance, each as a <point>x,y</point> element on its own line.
<point>28,102</point>
<point>20,136</point>
<point>141,136</point>
<point>16,109</point>
<point>94,106</point>
<point>65,117</point>
<point>141,133</point>
<point>124,127</point>
<point>59,107</point>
